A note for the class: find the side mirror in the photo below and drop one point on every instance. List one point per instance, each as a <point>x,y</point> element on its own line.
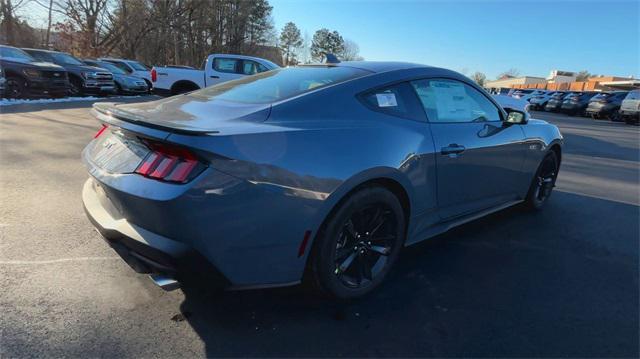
<point>516,116</point>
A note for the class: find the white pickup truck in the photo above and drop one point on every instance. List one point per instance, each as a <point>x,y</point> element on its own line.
<point>217,68</point>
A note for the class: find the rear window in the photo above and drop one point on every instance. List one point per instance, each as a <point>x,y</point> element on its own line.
<point>279,84</point>
<point>138,66</point>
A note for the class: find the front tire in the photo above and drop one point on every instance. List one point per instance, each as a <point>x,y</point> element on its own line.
<point>359,243</point>
<point>543,182</point>
<point>15,87</point>
<point>75,88</point>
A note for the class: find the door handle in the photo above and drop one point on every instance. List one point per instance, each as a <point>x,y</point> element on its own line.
<point>452,149</point>
<point>214,77</point>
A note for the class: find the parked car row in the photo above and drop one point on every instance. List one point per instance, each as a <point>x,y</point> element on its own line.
<point>614,105</point>
<point>36,73</point>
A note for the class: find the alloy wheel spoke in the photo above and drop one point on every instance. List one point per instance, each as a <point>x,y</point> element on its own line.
<point>380,250</point>
<point>342,253</point>
<point>346,263</point>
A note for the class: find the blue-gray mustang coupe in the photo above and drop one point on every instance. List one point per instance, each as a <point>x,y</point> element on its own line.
<point>319,173</point>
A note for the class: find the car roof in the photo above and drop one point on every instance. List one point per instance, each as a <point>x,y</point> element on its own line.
<point>42,50</point>
<point>374,66</point>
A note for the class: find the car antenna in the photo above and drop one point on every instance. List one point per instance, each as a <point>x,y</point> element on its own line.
<point>330,58</point>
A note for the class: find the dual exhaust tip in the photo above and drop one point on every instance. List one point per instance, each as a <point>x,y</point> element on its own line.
<point>165,282</point>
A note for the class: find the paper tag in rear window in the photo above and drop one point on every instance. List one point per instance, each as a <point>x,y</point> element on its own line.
<point>386,99</point>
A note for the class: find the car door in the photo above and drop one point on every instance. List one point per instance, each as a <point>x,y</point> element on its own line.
<point>479,157</point>
<point>224,69</point>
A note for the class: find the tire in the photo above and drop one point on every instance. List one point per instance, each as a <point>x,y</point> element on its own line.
<point>75,87</point>
<point>614,116</point>
<point>543,182</point>
<point>119,91</point>
<point>179,90</point>
<point>15,87</point>
<point>358,244</point>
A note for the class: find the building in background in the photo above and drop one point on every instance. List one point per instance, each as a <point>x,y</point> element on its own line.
<point>558,77</point>
<point>564,81</point>
<point>508,81</point>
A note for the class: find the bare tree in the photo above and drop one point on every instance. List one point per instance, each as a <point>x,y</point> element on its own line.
<point>512,72</point>
<point>351,51</point>
<point>583,75</point>
<point>479,78</point>
<point>9,21</point>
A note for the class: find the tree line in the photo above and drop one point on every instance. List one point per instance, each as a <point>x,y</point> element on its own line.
<point>165,32</point>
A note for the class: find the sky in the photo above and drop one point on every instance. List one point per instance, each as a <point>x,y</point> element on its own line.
<point>602,37</point>
<point>490,36</point>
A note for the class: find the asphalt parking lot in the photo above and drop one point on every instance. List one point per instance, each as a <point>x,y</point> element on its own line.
<point>560,282</point>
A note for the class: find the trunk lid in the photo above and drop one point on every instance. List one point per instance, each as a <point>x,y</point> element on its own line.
<point>186,114</point>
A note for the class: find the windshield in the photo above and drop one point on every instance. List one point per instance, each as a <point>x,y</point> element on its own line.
<point>65,59</point>
<point>279,84</point>
<point>113,68</point>
<point>138,66</point>
<point>15,53</point>
<point>633,95</point>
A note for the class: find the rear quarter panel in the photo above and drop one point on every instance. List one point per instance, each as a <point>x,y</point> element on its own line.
<point>168,76</point>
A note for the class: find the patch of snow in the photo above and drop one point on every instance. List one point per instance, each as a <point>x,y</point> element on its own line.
<point>11,101</point>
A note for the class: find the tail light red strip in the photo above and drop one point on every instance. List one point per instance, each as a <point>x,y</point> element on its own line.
<point>100,131</point>
<point>168,163</point>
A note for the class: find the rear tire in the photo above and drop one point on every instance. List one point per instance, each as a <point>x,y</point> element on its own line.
<point>358,244</point>
<point>543,182</point>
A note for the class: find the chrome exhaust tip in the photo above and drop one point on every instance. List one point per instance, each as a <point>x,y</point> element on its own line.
<point>164,282</point>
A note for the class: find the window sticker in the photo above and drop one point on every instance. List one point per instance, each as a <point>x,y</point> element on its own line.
<point>452,101</point>
<point>386,99</point>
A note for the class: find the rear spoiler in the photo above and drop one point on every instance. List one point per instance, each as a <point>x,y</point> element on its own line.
<point>108,113</point>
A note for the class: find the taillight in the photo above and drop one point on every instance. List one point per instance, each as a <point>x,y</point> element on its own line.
<point>154,75</point>
<point>169,163</point>
<point>100,131</point>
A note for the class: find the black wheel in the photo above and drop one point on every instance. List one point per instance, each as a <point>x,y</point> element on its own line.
<point>75,87</point>
<point>149,86</point>
<point>358,244</point>
<point>543,182</point>
<point>15,87</point>
<point>614,116</point>
<point>118,89</point>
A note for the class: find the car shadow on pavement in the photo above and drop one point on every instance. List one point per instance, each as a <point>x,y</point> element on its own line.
<point>516,283</point>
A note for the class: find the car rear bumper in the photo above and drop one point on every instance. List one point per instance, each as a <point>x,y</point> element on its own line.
<point>143,250</point>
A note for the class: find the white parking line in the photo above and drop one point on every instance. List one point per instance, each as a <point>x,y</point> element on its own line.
<point>61,260</point>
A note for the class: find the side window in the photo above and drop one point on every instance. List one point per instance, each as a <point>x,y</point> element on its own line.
<point>251,67</point>
<point>122,66</point>
<point>40,56</point>
<point>454,101</point>
<point>222,64</point>
<point>397,100</point>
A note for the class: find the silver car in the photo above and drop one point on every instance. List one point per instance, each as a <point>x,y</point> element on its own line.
<point>320,173</point>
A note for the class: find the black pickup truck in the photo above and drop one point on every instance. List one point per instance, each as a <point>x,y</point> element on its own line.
<point>83,79</point>
<point>26,77</point>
